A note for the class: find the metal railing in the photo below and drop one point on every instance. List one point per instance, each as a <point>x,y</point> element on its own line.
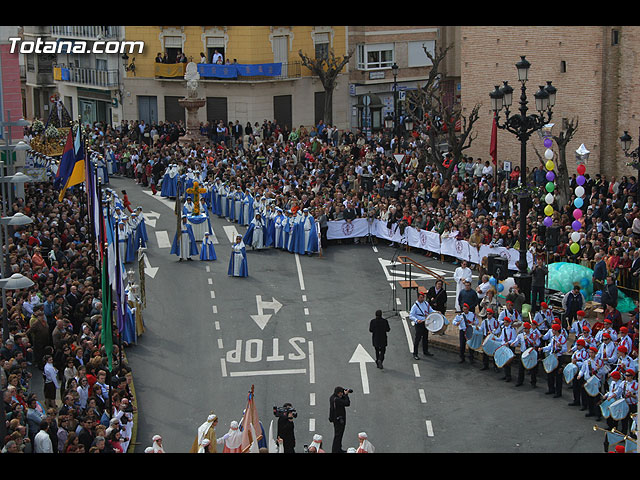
<point>85,31</point>
<point>93,77</point>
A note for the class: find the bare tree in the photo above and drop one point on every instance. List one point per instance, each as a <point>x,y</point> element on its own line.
<point>442,124</point>
<point>327,68</point>
<point>563,190</point>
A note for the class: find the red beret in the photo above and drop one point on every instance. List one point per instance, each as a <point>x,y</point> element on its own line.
<point>580,313</point>
<point>606,335</point>
<point>581,342</point>
<point>593,349</point>
<point>615,374</point>
<point>507,319</point>
<point>490,310</point>
<point>555,326</point>
<point>622,349</point>
<point>630,371</point>
<point>624,330</point>
<point>527,325</point>
<point>544,304</point>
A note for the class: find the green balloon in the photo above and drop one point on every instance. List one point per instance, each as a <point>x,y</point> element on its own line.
<point>575,248</point>
<point>550,187</point>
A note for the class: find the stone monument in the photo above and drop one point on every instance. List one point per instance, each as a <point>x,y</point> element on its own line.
<point>192,104</point>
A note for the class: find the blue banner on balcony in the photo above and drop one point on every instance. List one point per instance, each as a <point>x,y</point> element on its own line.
<point>209,70</point>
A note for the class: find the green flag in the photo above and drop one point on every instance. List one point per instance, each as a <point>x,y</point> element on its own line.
<point>107,322</point>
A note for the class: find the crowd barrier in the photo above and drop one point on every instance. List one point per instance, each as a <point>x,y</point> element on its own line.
<point>422,239</point>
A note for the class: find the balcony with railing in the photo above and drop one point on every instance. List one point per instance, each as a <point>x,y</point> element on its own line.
<point>235,72</point>
<point>89,32</point>
<point>86,76</point>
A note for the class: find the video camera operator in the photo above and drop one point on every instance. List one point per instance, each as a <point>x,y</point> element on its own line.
<point>285,415</point>
<point>338,416</point>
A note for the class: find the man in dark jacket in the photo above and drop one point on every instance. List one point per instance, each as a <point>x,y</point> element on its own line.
<point>610,293</point>
<point>338,416</point>
<point>437,297</point>
<point>379,327</point>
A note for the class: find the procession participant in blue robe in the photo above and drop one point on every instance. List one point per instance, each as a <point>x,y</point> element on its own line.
<point>103,172</point>
<point>213,198</point>
<point>184,243</point>
<point>287,232</point>
<point>169,187</point>
<point>222,202</point>
<point>231,199</point>
<point>207,251</point>
<point>237,204</point>
<point>278,227</point>
<point>307,235</point>
<point>131,237</point>
<point>291,239</point>
<point>204,211</point>
<point>187,182</point>
<point>187,208</point>
<point>129,332</point>
<point>141,229</point>
<point>256,233</point>
<point>271,229</point>
<point>122,241</point>
<point>238,266</point>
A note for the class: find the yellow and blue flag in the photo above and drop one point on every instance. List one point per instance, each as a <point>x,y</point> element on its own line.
<point>71,170</point>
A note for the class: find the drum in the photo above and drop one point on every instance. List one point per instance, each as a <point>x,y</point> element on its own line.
<point>570,371</point>
<point>435,322</point>
<point>475,342</point>
<point>490,345</point>
<point>503,356</point>
<point>592,386</point>
<point>619,409</point>
<point>604,407</point>
<point>529,358</point>
<point>550,363</point>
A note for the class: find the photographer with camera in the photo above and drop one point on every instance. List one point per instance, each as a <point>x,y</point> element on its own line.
<point>285,415</point>
<point>338,416</point>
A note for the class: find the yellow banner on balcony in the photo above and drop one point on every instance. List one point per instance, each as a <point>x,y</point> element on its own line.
<point>57,73</point>
<point>170,70</point>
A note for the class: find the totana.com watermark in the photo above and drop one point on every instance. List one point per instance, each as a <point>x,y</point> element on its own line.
<point>39,45</point>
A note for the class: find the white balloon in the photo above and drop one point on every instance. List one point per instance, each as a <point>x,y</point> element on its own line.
<point>549,199</point>
<point>579,191</point>
<point>575,237</point>
<point>548,154</point>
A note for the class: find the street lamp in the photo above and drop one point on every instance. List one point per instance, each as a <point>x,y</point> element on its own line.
<point>625,143</point>
<point>17,281</point>
<point>522,125</point>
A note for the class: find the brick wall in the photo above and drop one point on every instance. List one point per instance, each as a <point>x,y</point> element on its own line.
<point>597,77</point>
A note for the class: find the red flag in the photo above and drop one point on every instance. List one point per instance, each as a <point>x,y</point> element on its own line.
<point>250,417</point>
<point>493,148</point>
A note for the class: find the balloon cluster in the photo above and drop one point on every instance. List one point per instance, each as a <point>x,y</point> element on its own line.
<point>495,283</point>
<point>577,212</point>
<point>550,186</point>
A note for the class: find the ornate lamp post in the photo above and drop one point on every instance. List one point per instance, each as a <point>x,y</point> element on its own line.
<point>625,143</point>
<point>523,125</point>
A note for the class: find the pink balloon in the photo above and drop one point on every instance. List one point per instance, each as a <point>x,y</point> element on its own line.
<point>577,213</point>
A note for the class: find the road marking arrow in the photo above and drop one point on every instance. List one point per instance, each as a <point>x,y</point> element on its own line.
<point>148,269</point>
<point>151,218</point>
<point>261,318</point>
<point>362,357</point>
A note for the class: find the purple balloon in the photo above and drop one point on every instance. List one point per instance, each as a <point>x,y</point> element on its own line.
<point>548,142</point>
<point>551,176</point>
<point>580,180</point>
<point>576,225</point>
<point>548,221</point>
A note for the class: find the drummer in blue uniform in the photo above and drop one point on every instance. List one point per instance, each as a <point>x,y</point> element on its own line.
<point>525,340</point>
<point>615,380</point>
<point>507,337</point>
<point>465,320</point>
<point>628,389</point>
<point>489,326</point>
<point>592,367</point>
<point>579,356</point>
<point>418,315</point>
<point>557,345</point>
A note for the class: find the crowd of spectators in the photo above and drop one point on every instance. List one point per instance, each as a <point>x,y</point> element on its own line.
<point>338,175</point>
<point>55,330</point>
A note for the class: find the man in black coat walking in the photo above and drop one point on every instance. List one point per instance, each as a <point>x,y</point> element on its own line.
<point>379,327</point>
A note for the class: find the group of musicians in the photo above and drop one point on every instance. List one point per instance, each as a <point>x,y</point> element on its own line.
<point>599,366</point>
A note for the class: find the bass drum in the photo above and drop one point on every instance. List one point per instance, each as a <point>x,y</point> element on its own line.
<point>604,407</point>
<point>550,363</point>
<point>436,322</point>
<point>529,358</point>
<point>619,409</point>
<point>503,356</point>
<point>490,345</point>
<point>570,371</point>
<point>475,342</point>
<point>592,386</point>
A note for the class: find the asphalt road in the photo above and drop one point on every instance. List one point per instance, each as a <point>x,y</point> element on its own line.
<point>296,328</point>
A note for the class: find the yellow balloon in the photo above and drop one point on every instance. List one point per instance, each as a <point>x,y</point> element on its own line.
<point>550,165</point>
<point>548,210</point>
<point>575,248</point>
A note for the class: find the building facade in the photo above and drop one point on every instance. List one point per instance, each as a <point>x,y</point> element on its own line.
<point>292,97</point>
<point>594,69</point>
